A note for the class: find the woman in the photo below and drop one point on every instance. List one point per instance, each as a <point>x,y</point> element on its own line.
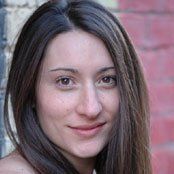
<point>78,95</point>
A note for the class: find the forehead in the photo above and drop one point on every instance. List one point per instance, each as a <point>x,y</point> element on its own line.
<point>77,49</point>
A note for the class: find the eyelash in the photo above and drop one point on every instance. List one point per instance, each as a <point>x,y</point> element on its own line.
<point>110,77</point>
<point>60,80</point>
<point>71,86</point>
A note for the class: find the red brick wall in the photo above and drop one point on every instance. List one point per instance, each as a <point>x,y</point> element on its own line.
<point>150,24</point>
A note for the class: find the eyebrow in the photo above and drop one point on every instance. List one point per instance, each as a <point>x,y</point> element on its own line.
<point>106,69</point>
<point>72,70</point>
<point>64,69</point>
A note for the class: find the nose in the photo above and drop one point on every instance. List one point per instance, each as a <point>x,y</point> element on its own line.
<point>89,104</point>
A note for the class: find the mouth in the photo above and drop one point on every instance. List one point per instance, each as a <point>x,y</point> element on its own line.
<point>87,131</point>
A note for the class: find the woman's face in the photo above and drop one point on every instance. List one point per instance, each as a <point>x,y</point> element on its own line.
<point>76,94</point>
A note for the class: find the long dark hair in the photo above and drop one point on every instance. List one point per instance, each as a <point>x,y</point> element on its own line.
<point>128,150</point>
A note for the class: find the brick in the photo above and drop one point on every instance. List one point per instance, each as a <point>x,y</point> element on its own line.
<point>162,129</point>
<point>1,121</point>
<point>30,3</point>
<point>161,98</point>
<point>160,30</point>
<point>39,2</point>
<point>16,18</point>
<point>149,31</point>
<point>3,81</point>
<point>21,3</point>
<point>135,25</point>
<point>151,63</point>
<point>167,5</point>
<point>108,3</point>
<point>158,64</point>
<point>15,3</point>
<point>24,3</point>
<point>147,6</point>
<point>2,65</point>
<point>1,128</point>
<point>2,29</point>
<point>2,43</point>
<point>18,12</point>
<point>167,56</point>
<point>163,160</point>
<point>1,3</point>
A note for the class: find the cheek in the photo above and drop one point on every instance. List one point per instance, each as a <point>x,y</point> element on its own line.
<point>110,101</point>
<point>51,103</point>
<point>53,110</point>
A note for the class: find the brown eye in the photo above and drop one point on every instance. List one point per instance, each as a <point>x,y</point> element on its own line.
<point>65,82</point>
<point>108,81</point>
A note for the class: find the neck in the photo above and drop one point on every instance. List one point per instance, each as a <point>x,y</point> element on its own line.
<point>85,166</point>
<point>82,165</point>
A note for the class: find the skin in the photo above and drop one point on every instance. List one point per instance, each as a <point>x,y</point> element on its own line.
<point>85,94</point>
<point>76,87</point>
<point>15,164</point>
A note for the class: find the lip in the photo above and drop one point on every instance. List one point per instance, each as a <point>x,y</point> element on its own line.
<point>87,131</point>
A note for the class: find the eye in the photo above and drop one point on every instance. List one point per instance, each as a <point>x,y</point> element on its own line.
<point>108,81</point>
<point>65,82</point>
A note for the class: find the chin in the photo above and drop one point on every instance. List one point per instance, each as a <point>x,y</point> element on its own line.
<point>87,151</point>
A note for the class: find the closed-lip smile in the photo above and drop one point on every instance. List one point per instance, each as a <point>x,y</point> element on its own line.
<point>87,130</point>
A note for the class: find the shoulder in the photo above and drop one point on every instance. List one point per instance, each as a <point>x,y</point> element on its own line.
<point>15,164</point>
